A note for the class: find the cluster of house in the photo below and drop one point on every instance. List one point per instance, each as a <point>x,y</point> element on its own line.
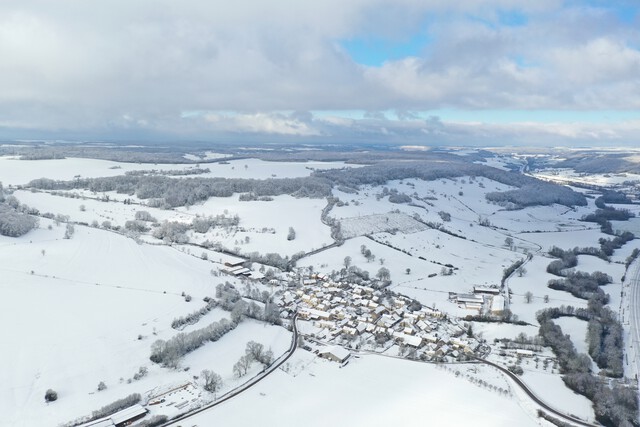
<point>483,300</point>
<point>342,311</point>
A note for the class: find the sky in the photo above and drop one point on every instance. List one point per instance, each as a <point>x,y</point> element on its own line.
<point>431,72</point>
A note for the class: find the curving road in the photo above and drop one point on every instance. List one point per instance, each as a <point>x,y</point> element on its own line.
<point>246,386</point>
<point>535,398</point>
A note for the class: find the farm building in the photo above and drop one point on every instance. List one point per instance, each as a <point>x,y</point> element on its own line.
<point>486,290</point>
<point>497,305</point>
<point>128,415</point>
<point>334,353</point>
<point>119,419</point>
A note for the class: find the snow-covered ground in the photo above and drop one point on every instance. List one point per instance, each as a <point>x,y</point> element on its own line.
<point>14,171</point>
<point>87,309</point>
<point>370,391</point>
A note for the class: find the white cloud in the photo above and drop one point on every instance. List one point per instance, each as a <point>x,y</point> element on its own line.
<point>126,65</point>
<point>260,123</point>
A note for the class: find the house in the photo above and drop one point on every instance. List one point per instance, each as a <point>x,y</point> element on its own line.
<point>310,313</point>
<point>361,327</point>
<point>334,353</point>
<point>413,341</point>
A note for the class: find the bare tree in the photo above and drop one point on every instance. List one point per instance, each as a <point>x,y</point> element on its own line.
<point>292,234</point>
<point>254,350</point>
<point>508,242</point>
<point>242,366</point>
<point>528,297</point>
<point>212,382</point>
<point>347,261</point>
<point>383,274</point>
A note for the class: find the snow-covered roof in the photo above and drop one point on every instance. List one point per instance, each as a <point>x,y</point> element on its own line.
<point>335,350</point>
<point>99,423</point>
<point>127,414</point>
<point>497,303</point>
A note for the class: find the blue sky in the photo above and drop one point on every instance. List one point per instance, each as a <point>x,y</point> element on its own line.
<point>548,71</point>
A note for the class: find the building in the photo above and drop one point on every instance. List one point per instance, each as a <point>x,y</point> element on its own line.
<point>486,290</point>
<point>129,415</point>
<point>497,305</point>
<point>121,418</point>
<point>335,353</point>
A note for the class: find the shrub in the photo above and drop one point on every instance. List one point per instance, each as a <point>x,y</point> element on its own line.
<point>50,396</point>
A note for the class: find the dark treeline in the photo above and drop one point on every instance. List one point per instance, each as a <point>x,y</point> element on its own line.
<point>605,214</point>
<point>14,222</point>
<point>614,406</point>
<point>615,197</point>
<point>169,172</point>
<point>540,193</point>
<point>194,317</point>
<point>569,259</point>
<point>604,334</point>
<point>188,191</point>
<point>15,219</point>
<point>583,285</point>
<point>511,269</point>
<point>608,214</point>
<point>607,246</point>
<point>168,353</point>
<point>530,191</point>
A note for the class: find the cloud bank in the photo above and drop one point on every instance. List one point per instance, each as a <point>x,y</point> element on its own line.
<point>206,70</point>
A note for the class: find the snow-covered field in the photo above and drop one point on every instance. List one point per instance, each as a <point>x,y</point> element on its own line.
<point>370,391</point>
<point>87,309</point>
<point>16,172</point>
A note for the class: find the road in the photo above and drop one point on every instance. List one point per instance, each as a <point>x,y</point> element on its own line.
<point>634,316</point>
<point>246,386</point>
<point>532,396</point>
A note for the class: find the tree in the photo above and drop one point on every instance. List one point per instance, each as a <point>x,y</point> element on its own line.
<point>212,382</point>
<point>50,396</point>
<point>69,231</point>
<point>102,386</point>
<point>508,242</point>
<point>347,261</point>
<point>408,271</point>
<point>254,350</point>
<point>528,297</point>
<point>83,208</point>
<point>242,366</point>
<point>383,274</point>
<point>521,271</point>
<point>292,234</point>
<point>546,298</point>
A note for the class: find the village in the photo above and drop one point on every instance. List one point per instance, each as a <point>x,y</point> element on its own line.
<point>361,318</point>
